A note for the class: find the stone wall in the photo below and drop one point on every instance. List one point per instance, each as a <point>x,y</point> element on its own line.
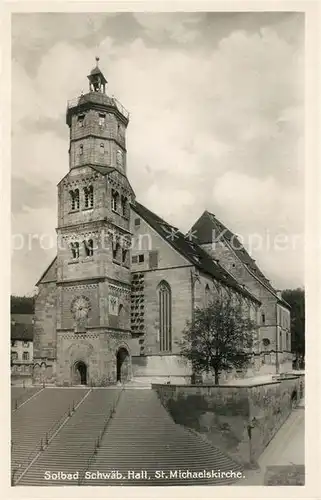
<point>240,420</point>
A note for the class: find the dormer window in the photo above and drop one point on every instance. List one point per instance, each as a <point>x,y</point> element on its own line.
<point>102,119</point>
<point>74,250</point>
<point>81,120</point>
<point>114,200</point>
<point>89,196</point>
<point>74,196</point>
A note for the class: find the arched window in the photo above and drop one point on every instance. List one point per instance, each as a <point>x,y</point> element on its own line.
<point>114,200</point>
<point>124,206</point>
<point>74,196</point>
<point>81,149</point>
<point>102,148</point>
<point>75,250</point>
<point>89,196</point>
<point>165,317</point>
<point>89,248</point>
<point>116,251</point>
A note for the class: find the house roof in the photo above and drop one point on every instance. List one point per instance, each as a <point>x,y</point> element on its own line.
<point>20,331</point>
<point>50,274</point>
<point>208,228</point>
<point>190,250</point>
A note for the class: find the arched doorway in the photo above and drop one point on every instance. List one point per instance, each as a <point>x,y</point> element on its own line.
<point>80,373</point>
<point>122,363</point>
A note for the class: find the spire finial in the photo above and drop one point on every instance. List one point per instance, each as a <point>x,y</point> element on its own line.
<point>97,60</point>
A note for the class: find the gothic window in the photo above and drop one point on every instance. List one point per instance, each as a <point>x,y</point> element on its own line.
<point>81,120</point>
<point>124,202</point>
<point>74,196</point>
<point>89,196</point>
<point>165,317</point>
<point>114,200</point>
<point>102,148</point>
<point>74,250</point>
<point>263,318</point>
<point>207,296</point>
<point>81,149</point>
<point>89,248</point>
<point>25,356</point>
<point>102,119</point>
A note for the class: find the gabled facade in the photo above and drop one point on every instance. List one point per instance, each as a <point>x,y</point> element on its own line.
<point>274,314</point>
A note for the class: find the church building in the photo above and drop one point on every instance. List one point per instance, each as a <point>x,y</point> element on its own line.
<point>114,302</point>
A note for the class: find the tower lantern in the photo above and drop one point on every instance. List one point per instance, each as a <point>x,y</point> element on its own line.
<point>97,81</point>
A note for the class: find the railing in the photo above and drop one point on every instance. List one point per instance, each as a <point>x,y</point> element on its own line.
<point>112,101</point>
<point>43,443</point>
<point>99,439</point>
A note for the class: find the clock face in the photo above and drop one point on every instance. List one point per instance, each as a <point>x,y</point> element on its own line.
<point>80,307</point>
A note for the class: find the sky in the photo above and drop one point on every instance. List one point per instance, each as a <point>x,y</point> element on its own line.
<point>216,123</point>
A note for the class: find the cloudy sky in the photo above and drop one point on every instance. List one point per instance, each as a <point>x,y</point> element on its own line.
<point>216,106</point>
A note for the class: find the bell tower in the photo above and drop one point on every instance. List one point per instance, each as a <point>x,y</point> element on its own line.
<point>97,124</point>
<point>93,255</point>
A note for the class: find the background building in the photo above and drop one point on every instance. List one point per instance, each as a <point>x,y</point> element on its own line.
<point>22,348</point>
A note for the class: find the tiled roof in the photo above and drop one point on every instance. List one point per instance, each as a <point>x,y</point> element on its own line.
<point>208,226</point>
<point>190,250</point>
<point>21,331</point>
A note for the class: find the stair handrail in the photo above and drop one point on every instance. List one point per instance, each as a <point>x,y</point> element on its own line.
<point>22,466</point>
<point>69,412</point>
<point>99,438</point>
<point>44,441</point>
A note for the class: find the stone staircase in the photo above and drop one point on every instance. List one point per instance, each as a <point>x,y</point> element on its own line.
<point>73,446</point>
<point>33,421</point>
<point>143,437</point>
<point>20,395</point>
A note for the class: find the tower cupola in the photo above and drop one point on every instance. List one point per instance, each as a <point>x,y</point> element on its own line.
<point>97,81</point>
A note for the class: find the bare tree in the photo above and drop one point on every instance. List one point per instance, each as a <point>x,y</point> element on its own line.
<point>219,338</point>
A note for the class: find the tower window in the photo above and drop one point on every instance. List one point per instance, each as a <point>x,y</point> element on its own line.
<point>74,196</point>
<point>263,319</point>
<point>116,250</point>
<point>89,196</point>
<point>124,202</point>
<point>125,256</point>
<point>102,119</point>
<point>89,248</point>
<point>81,149</point>
<point>114,200</point>
<point>141,258</point>
<point>75,250</point>
<point>25,356</point>
<point>102,148</point>
<point>81,120</point>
